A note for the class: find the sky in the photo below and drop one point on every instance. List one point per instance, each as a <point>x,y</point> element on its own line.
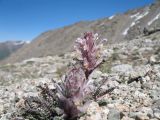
<point>26,19</point>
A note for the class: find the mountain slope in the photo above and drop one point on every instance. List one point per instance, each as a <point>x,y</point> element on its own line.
<point>9,47</point>
<point>116,28</point>
<point>132,69</point>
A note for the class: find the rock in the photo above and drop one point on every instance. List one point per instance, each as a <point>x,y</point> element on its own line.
<point>142,117</point>
<point>94,112</point>
<point>127,118</point>
<point>140,71</point>
<point>138,95</point>
<point>158,75</point>
<point>110,105</point>
<point>114,77</point>
<point>1,109</point>
<point>157,115</point>
<point>121,56</point>
<point>122,68</point>
<point>111,84</point>
<point>5,116</point>
<point>107,53</point>
<point>147,102</point>
<point>147,111</point>
<point>147,85</point>
<point>96,74</point>
<point>147,78</point>
<point>139,115</point>
<point>155,94</point>
<point>122,108</point>
<point>114,114</point>
<point>133,114</point>
<point>20,103</point>
<point>6,107</point>
<point>156,103</point>
<point>153,59</point>
<point>143,49</point>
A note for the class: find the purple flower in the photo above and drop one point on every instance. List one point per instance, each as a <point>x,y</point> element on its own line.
<point>75,88</point>
<point>89,51</point>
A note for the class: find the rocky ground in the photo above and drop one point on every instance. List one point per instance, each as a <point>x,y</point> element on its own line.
<point>132,68</point>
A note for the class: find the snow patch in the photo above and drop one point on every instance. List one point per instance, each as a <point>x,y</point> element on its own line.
<point>135,15</point>
<point>154,19</point>
<point>126,31</point>
<point>138,17</point>
<point>111,17</point>
<point>27,42</point>
<point>133,23</point>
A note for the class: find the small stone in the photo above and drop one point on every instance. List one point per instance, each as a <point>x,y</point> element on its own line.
<point>104,113</point>
<point>1,109</point>
<point>122,108</point>
<point>158,76</point>
<point>155,95</point>
<point>132,114</point>
<point>157,115</point>
<point>127,118</point>
<point>156,103</point>
<point>7,106</point>
<point>146,111</point>
<point>110,105</point>
<point>142,117</point>
<point>122,68</point>
<point>96,74</point>
<point>51,86</point>
<point>94,112</point>
<point>21,103</point>
<point>140,71</point>
<point>114,115</point>
<point>147,78</point>
<point>152,59</point>
<point>5,116</point>
<point>146,85</point>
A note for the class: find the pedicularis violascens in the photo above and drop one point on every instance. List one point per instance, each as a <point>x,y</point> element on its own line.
<point>71,96</point>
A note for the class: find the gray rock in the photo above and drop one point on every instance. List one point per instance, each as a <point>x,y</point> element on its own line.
<point>156,103</point>
<point>147,111</point>
<point>133,114</point>
<point>139,116</point>
<point>155,94</point>
<point>122,68</point>
<point>96,74</point>
<point>157,115</point>
<point>147,85</point>
<point>5,116</point>
<point>114,114</point>
<point>142,117</point>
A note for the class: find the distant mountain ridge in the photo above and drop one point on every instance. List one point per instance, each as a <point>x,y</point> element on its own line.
<point>9,47</point>
<point>117,28</point>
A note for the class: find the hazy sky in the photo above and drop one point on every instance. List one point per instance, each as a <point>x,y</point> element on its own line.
<point>26,19</point>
